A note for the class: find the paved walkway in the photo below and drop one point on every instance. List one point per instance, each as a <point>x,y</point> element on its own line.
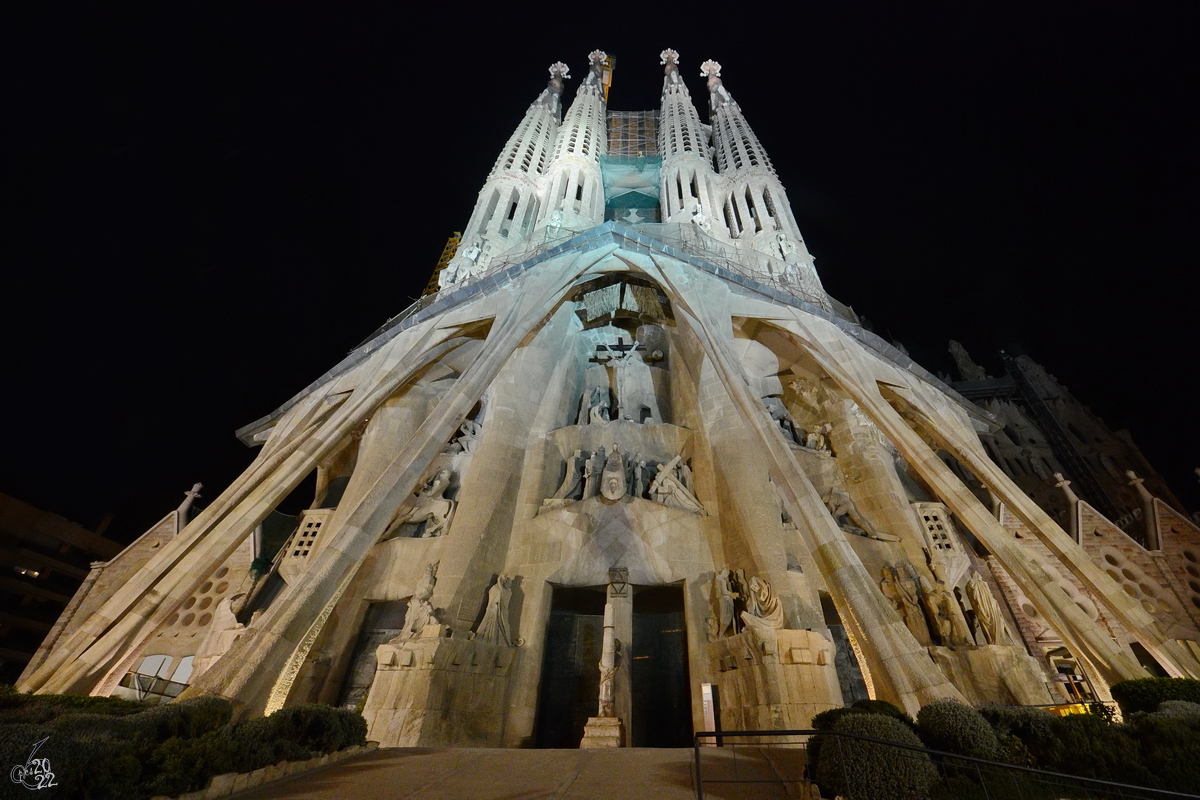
<point>486,774</point>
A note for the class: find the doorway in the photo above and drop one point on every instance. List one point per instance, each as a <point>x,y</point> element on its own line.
<point>570,687</point>
<point>662,703</point>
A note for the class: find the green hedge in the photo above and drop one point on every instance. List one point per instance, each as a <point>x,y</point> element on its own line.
<point>955,727</point>
<point>852,767</point>
<point>886,709</point>
<point>100,750</point>
<point>1156,750</point>
<point>1144,694</point>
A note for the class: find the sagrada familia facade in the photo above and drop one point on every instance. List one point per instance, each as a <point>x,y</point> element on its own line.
<point>627,450</point>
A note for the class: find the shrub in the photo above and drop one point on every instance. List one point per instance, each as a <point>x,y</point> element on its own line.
<point>957,728</point>
<point>852,767</point>
<point>886,709</point>
<point>825,720</point>
<point>320,728</point>
<point>1086,745</point>
<point>1178,708</point>
<point>1170,748</point>
<point>16,707</point>
<point>98,751</point>
<point>186,719</point>
<point>1034,728</point>
<point>1144,694</point>
<point>92,765</point>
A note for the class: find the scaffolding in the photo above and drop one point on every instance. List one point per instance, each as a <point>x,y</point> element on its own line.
<point>632,134</point>
<point>447,253</point>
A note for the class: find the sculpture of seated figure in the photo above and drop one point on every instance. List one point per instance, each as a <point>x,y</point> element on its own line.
<point>670,491</point>
<point>763,610</point>
<point>598,407</point>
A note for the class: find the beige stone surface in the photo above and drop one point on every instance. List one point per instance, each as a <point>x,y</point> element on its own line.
<point>483,774</point>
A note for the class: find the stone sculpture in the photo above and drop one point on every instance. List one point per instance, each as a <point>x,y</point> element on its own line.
<point>639,478</point>
<point>783,417</point>
<point>609,664</point>
<point>787,248</point>
<point>725,600</point>
<point>987,612</point>
<point>420,611</point>
<point>763,610</point>
<point>493,628</point>
<point>604,729</point>
<point>574,476</point>
<point>592,471</point>
<point>598,407</point>
<point>968,369</point>
<point>469,430</point>
<point>850,519</point>
<point>431,507</point>
<point>1036,464</point>
<point>910,600</point>
<point>939,624</point>
<point>462,266</point>
<point>700,220</point>
<point>945,614</point>
<point>636,399</point>
<point>670,491</point>
<point>887,585</point>
<point>612,479</point>
<point>960,632</point>
<point>816,440</point>
<point>684,473</point>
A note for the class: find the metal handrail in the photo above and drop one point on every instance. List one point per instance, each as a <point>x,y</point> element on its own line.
<point>1047,774</point>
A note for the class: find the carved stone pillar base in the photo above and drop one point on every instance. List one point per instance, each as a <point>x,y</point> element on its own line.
<point>434,691</point>
<point>601,732</point>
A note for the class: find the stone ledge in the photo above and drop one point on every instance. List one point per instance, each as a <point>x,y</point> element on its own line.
<point>233,782</point>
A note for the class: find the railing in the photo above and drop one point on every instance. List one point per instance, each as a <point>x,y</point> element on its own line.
<point>775,764</point>
<point>686,237</point>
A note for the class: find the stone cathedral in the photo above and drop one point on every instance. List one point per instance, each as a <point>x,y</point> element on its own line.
<point>628,448</point>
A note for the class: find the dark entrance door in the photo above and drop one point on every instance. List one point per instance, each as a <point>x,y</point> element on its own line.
<point>662,707</point>
<point>570,671</point>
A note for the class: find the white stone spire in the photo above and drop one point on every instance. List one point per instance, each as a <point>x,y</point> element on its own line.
<point>575,192</point>
<point>755,209</point>
<point>509,202</point>
<point>687,173</point>
<point>735,143</point>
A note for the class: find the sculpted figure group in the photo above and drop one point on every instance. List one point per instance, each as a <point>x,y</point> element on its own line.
<point>816,439</point>
<point>931,606</point>
<point>744,604</point>
<point>613,475</point>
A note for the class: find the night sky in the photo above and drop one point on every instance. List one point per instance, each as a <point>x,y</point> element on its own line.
<point>206,208</point>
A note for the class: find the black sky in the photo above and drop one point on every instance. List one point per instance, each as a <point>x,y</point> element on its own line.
<point>206,207</point>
